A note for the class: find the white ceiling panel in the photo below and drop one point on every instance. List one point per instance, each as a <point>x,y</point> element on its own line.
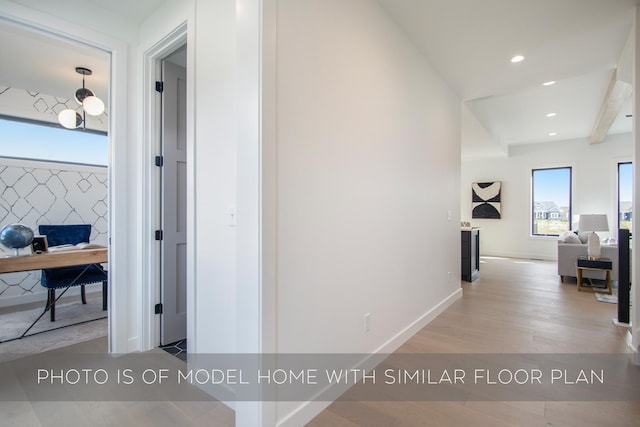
<point>37,61</point>
<point>577,43</point>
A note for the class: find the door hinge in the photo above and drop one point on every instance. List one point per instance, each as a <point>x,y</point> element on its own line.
<point>158,308</point>
<point>160,87</point>
<point>159,235</point>
<point>159,161</point>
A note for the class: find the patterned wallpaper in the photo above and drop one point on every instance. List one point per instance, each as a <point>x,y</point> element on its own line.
<point>42,107</point>
<point>33,193</point>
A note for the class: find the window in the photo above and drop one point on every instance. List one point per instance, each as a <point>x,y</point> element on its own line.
<point>625,195</point>
<point>550,201</point>
<point>42,141</point>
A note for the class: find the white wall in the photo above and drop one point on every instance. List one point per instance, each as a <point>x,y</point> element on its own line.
<point>215,176</point>
<point>594,190</point>
<point>368,164</point>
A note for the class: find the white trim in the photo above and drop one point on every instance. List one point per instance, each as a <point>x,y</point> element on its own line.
<point>118,172</point>
<point>256,192</point>
<point>558,165</point>
<point>310,409</point>
<point>47,164</point>
<point>635,260</point>
<point>149,175</point>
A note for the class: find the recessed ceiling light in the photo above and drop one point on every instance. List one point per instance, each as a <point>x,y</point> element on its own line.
<point>552,114</point>
<point>549,83</point>
<point>553,134</point>
<point>517,58</point>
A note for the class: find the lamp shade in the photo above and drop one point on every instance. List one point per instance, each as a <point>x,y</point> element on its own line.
<point>594,222</point>
<point>93,105</point>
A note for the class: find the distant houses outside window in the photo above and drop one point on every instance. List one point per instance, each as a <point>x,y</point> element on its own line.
<point>625,195</point>
<point>550,201</point>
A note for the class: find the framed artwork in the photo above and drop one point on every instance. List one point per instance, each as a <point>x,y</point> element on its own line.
<point>486,200</point>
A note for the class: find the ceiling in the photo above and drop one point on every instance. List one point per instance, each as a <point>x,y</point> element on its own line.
<point>136,10</point>
<point>577,43</point>
<point>47,64</point>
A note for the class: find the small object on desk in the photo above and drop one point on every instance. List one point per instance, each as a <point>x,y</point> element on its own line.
<point>16,237</point>
<point>39,244</point>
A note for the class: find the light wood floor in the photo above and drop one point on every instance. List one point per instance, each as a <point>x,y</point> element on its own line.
<point>515,307</point>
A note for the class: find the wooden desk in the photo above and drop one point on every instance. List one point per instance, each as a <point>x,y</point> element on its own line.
<point>53,260</point>
<point>66,258</point>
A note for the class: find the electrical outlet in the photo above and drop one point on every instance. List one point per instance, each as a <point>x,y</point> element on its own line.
<point>366,326</point>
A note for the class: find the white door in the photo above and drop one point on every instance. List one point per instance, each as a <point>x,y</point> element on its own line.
<point>174,204</point>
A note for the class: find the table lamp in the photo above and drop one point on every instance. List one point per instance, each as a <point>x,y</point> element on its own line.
<point>593,223</point>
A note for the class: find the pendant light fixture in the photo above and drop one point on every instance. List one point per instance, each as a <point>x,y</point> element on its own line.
<point>91,105</point>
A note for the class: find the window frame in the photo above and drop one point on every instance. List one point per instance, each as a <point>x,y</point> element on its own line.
<point>533,217</point>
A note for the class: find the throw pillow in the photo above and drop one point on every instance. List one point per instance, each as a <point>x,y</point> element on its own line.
<point>571,237</point>
<point>584,236</point>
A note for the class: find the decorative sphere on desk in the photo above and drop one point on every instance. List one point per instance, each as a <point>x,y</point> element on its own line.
<point>16,236</point>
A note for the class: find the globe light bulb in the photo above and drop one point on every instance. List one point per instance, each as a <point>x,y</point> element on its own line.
<point>69,118</point>
<point>93,105</point>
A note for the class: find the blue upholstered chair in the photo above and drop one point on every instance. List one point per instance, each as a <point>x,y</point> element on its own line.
<point>60,278</point>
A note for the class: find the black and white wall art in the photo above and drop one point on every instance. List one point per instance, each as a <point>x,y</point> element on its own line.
<point>485,199</point>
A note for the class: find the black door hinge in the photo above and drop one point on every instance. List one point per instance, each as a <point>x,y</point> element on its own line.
<point>160,87</point>
<point>159,161</point>
<point>158,308</point>
<point>159,235</point>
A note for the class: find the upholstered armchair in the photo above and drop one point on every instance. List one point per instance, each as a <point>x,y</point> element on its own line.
<point>77,275</point>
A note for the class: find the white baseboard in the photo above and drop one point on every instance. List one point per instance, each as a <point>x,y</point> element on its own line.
<point>545,257</point>
<point>310,409</point>
<point>42,296</point>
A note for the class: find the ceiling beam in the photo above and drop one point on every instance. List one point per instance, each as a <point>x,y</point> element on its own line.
<point>617,94</point>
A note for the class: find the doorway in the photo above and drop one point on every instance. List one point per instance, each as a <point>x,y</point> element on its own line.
<point>57,176</point>
<point>172,88</point>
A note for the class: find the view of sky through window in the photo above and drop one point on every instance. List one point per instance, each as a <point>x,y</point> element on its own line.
<point>625,180</point>
<point>41,142</point>
<point>551,201</point>
<point>625,195</point>
<point>552,185</point>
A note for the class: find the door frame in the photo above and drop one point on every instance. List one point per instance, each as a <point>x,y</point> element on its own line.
<point>152,70</point>
<point>118,177</point>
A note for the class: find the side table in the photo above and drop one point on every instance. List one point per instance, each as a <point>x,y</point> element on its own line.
<point>602,264</point>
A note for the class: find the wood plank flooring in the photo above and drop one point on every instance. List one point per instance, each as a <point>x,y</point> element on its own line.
<point>517,306</point>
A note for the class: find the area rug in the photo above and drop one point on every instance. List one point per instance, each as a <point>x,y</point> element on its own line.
<point>613,298</point>
<point>75,323</point>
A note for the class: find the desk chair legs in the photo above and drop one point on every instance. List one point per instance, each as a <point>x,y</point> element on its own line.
<point>51,303</point>
<point>104,294</point>
<point>51,299</point>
